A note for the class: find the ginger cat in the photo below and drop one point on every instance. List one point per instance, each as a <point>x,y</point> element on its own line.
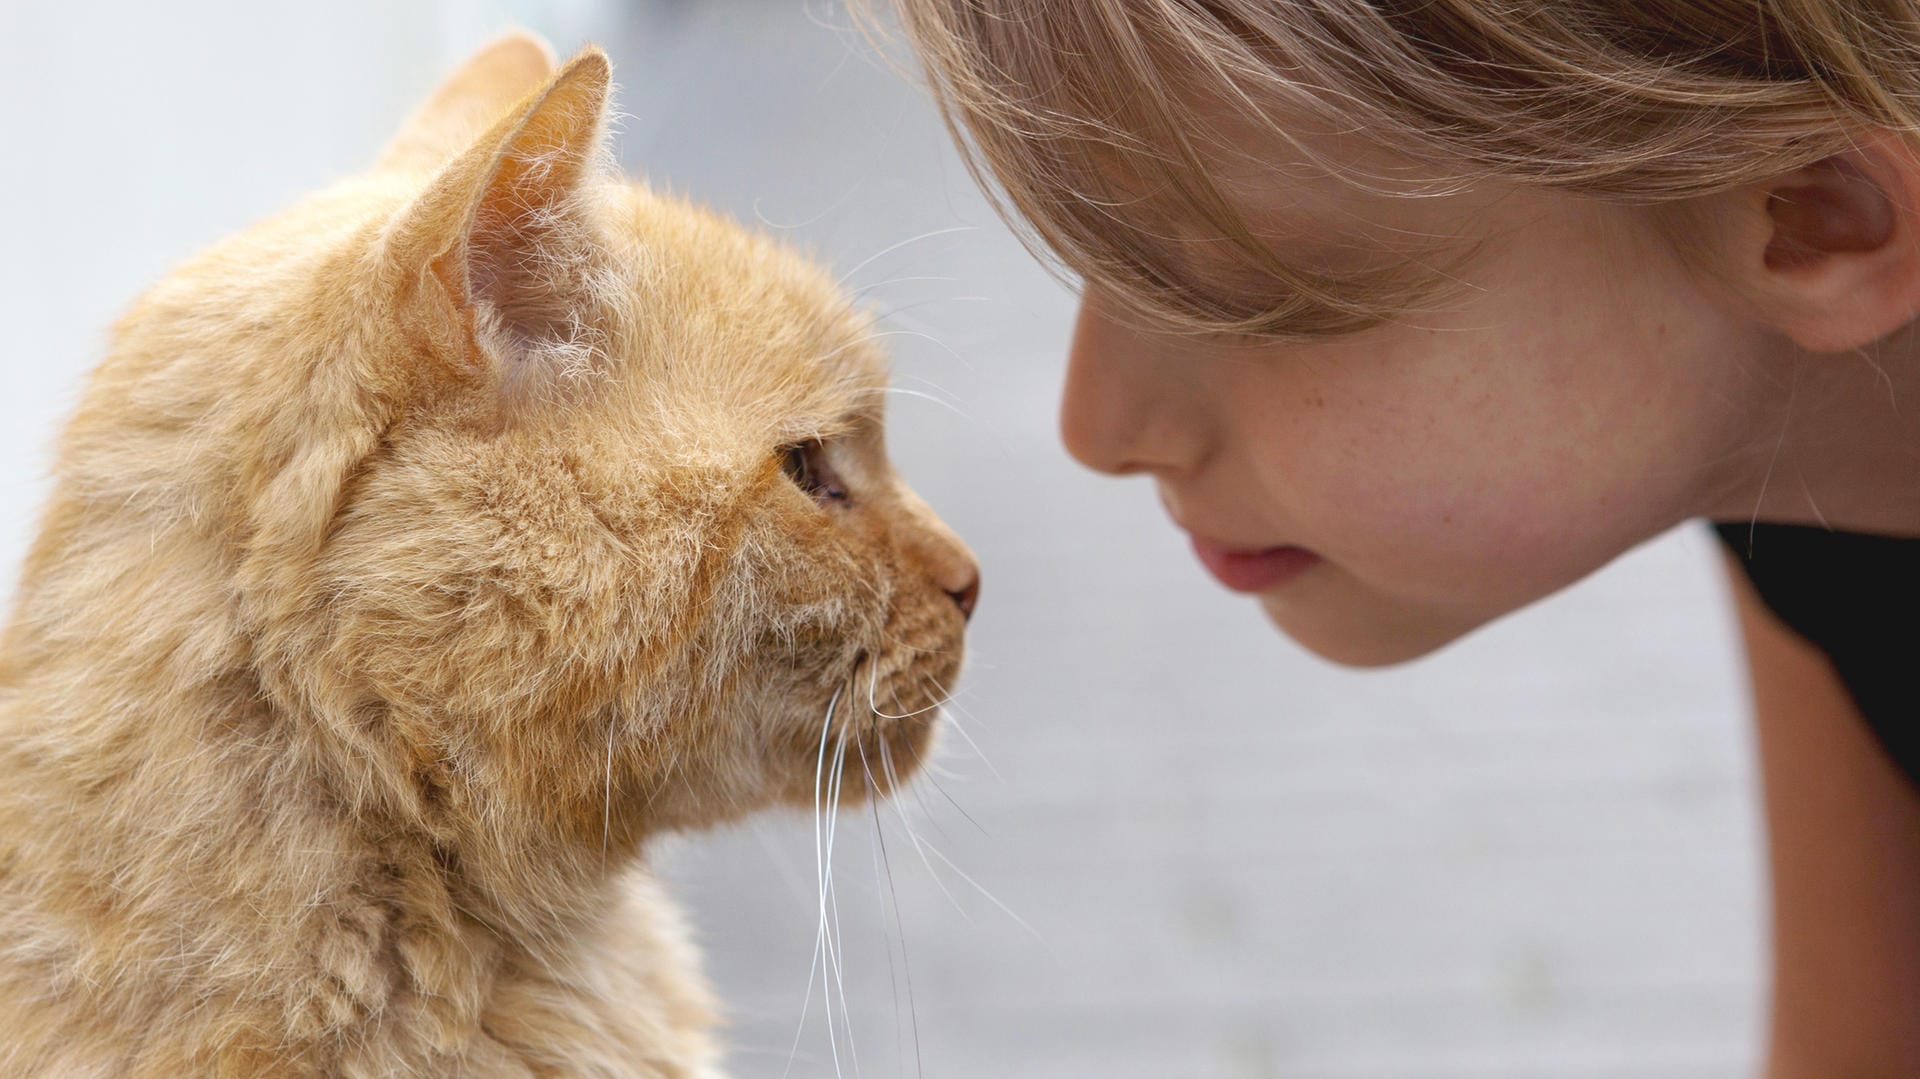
<point>414,557</point>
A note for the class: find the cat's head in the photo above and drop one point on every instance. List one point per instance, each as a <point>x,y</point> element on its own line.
<point>583,503</point>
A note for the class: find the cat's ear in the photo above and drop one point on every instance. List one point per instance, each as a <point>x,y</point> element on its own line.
<point>499,261</point>
<point>492,80</point>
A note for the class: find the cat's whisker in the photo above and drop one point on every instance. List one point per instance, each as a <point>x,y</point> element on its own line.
<point>948,402</point>
<point>873,703</point>
<point>944,772</point>
<point>900,309</point>
<point>990,897</point>
<point>924,336</point>
<point>923,848</point>
<point>819,863</point>
<point>958,808</point>
<point>919,794</point>
<point>900,929</point>
<point>882,334</point>
<point>836,940</point>
<point>909,241</point>
<point>941,401</point>
<point>954,712</point>
<point>886,767</point>
<point>864,289</point>
<point>760,216</point>
<point>886,761</point>
<point>932,385</point>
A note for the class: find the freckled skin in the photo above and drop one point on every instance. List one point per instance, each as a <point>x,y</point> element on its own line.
<point>414,558</point>
<point>1457,464</point>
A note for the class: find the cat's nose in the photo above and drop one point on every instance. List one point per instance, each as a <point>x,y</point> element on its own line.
<point>966,597</point>
<point>941,554</point>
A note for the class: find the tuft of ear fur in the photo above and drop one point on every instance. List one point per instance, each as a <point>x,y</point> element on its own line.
<point>500,258</point>
<point>500,73</point>
<point>1830,254</point>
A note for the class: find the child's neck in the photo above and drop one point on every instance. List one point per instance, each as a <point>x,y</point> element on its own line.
<point>1836,442</point>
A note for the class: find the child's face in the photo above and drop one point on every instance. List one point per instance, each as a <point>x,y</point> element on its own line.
<point>1582,393</point>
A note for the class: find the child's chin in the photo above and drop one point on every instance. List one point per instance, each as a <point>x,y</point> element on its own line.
<point>1353,638</point>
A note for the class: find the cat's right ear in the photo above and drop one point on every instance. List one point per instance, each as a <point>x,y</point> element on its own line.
<point>496,76</point>
<point>497,264</point>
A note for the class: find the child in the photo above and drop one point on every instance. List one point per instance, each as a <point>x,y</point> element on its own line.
<point>1416,313</point>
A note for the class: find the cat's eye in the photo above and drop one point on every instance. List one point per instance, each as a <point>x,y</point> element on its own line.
<point>805,463</point>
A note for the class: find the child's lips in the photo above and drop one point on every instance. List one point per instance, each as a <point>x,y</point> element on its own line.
<point>1250,569</point>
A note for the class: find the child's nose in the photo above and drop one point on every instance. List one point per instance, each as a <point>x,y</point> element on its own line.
<point>1125,408</point>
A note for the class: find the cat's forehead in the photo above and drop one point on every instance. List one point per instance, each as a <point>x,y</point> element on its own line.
<point>718,309</point>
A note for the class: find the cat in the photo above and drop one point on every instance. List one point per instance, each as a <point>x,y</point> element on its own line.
<point>413,558</point>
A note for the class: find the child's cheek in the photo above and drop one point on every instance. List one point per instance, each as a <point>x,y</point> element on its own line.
<point>1468,495</point>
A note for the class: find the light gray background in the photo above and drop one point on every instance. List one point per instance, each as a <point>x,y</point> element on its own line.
<point>1208,854</point>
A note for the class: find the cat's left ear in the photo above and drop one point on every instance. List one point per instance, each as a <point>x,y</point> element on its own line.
<point>497,76</point>
<point>497,260</point>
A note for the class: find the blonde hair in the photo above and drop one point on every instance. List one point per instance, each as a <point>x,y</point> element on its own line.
<point>1082,117</point>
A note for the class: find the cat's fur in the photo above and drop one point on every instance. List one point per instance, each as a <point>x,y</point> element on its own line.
<point>415,556</point>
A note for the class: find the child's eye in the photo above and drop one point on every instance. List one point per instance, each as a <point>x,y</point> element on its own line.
<point>805,463</point>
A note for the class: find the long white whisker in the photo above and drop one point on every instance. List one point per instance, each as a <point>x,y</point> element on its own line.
<point>864,289</point>
<point>927,337</point>
<point>941,401</point>
<point>953,713</point>
<point>881,334</point>
<point>886,761</point>
<point>873,700</point>
<point>760,215</point>
<point>836,939</point>
<point>922,847</point>
<point>819,867</point>
<point>901,309</point>
<point>991,898</point>
<point>891,248</point>
<point>960,809</point>
<point>900,929</point>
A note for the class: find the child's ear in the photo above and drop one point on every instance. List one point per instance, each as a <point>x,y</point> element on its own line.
<point>1829,255</point>
<point>489,83</point>
<point>498,260</point>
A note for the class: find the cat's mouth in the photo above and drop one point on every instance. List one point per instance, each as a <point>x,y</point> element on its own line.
<point>880,724</point>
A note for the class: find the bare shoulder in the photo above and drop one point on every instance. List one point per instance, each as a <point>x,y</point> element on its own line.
<point>1843,828</point>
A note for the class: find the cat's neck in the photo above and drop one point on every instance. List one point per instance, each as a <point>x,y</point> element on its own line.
<point>163,755</point>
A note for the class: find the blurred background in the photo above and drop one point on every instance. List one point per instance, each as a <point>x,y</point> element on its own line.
<point>1169,843</point>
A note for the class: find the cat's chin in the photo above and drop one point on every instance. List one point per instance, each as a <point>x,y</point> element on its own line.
<point>873,759</point>
<point>888,757</point>
<point>875,729</point>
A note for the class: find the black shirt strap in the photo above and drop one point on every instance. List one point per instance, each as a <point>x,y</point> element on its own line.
<point>1857,598</point>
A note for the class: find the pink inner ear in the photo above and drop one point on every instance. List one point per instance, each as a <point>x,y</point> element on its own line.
<point>531,248</point>
<point>532,279</point>
<point>508,231</point>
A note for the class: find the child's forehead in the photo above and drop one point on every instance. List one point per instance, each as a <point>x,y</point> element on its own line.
<point>1326,199</point>
<point>1314,181</point>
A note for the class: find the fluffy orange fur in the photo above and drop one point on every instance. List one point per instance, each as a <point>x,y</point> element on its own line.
<point>414,557</point>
